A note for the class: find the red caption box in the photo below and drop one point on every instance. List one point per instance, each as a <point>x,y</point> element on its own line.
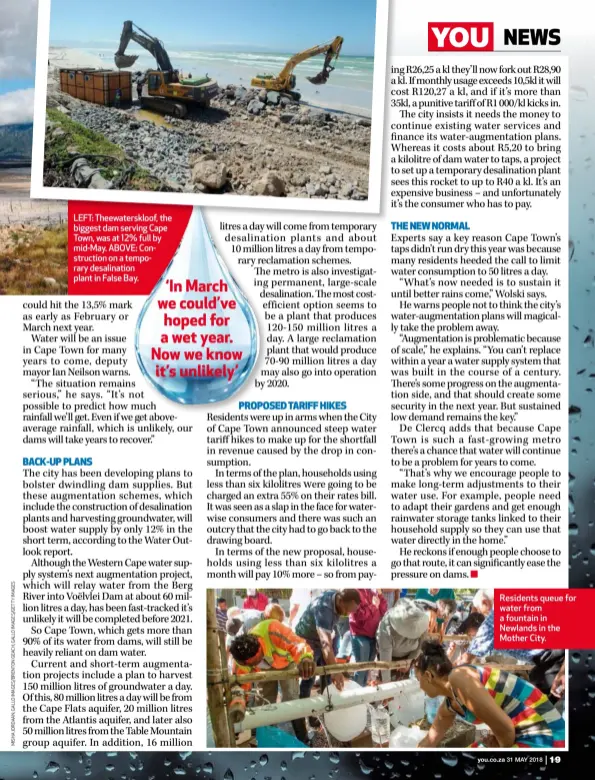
<point>121,248</point>
<point>549,619</point>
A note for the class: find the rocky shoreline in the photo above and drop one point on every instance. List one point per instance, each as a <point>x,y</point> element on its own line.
<point>249,142</point>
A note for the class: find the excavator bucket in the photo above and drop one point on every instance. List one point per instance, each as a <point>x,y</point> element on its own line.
<point>320,78</point>
<point>125,60</point>
<point>323,76</point>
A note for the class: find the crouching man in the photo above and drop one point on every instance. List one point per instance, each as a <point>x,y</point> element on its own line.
<point>269,646</point>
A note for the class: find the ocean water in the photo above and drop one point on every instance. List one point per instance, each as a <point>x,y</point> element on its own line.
<point>348,89</point>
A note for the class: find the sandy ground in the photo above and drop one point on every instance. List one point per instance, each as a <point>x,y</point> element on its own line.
<point>15,213</point>
<point>14,183</point>
<point>74,58</point>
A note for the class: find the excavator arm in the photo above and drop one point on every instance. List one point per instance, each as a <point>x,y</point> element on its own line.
<point>331,50</point>
<point>131,32</point>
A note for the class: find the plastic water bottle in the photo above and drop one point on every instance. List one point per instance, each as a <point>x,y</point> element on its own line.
<point>380,726</point>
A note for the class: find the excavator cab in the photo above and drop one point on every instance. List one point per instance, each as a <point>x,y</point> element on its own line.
<point>155,83</point>
<point>165,92</point>
<point>285,82</point>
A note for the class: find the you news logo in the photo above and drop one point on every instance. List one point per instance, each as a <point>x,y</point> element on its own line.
<point>460,36</point>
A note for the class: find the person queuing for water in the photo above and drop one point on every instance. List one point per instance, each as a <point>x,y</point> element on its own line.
<point>248,618</point>
<point>221,614</point>
<point>319,625</point>
<point>271,645</point>
<point>431,610</point>
<point>453,621</point>
<point>546,663</point>
<point>469,627</point>
<point>434,594</point>
<point>517,713</point>
<point>344,647</point>
<point>255,600</point>
<point>548,674</point>
<point>400,634</point>
<point>234,627</point>
<point>446,608</point>
<point>483,642</point>
<point>240,621</point>
<point>300,598</point>
<point>363,624</point>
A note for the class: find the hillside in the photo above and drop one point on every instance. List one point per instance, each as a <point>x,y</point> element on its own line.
<point>15,143</point>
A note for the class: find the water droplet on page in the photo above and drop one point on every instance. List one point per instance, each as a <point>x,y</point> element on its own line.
<point>578,93</point>
<point>196,336</point>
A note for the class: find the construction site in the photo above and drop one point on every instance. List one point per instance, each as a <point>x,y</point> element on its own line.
<point>292,692</point>
<point>160,128</point>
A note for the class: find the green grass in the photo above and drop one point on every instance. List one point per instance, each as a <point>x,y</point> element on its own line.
<point>85,141</point>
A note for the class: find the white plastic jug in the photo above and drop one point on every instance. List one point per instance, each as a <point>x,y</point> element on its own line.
<point>408,704</point>
<point>402,737</point>
<point>346,724</point>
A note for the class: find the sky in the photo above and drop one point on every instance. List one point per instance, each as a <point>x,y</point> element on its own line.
<point>262,25</point>
<point>18,30</point>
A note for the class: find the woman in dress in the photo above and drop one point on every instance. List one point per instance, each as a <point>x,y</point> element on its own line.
<point>517,713</point>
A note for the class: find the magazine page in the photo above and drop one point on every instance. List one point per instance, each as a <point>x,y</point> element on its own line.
<point>297,345</point>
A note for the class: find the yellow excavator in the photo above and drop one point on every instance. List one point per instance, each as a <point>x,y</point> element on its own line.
<point>165,91</point>
<point>285,82</point>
